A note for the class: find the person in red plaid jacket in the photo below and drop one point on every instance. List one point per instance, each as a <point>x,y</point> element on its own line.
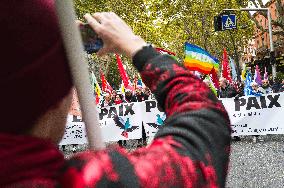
<point>190,150</point>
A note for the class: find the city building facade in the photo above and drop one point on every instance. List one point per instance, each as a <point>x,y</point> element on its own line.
<point>257,52</point>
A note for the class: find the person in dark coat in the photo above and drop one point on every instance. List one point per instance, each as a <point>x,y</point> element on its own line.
<point>147,93</point>
<point>129,97</point>
<point>226,90</point>
<point>139,94</point>
<point>107,101</point>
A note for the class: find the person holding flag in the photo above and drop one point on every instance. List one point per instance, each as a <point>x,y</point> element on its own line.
<point>192,147</point>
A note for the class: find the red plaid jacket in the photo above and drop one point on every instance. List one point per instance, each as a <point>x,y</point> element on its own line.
<point>191,150</point>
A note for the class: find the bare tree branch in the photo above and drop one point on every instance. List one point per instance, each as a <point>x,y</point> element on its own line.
<point>278,33</point>
<point>263,13</point>
<point>260,3</point>
<point>279,22</point>
<point>280,11</point>
<point>280,8</point>
<point>254,3</point>
<point>263,30</point>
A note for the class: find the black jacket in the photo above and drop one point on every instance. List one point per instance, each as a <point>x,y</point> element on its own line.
<point>228,92</point>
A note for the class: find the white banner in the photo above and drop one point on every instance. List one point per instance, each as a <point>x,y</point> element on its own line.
<point>252,115</point>
<point>248,115</point>
<point>119,122</point>
<point>75,132</point>
<point>153,118</point>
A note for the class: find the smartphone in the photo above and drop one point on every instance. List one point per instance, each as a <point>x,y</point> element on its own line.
<point>91,42</point>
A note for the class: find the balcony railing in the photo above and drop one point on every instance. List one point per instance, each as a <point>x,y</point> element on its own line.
<point>262,49</point>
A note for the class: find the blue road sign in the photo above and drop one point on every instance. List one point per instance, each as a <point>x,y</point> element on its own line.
<point>229,21</point>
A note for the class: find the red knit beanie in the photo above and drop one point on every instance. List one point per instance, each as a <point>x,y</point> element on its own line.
<point>34,73</point>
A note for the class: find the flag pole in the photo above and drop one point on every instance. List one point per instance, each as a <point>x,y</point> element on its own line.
<point>79,70</point>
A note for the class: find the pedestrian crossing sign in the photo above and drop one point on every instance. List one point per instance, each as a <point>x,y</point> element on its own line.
<point>229,21</point>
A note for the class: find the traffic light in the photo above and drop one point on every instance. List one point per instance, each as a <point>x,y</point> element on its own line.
<point>218,23</point>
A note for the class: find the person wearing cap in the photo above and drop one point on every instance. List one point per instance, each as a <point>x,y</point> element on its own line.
<point>265,87</point>
<point>190,150</point>
<point>256,90</point>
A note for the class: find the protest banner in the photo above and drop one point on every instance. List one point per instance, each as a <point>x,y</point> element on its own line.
<point>75,131</point>
<point>153,117</point>
<point>249,115</point>
<point>119,122</point>
<point>252,115</point>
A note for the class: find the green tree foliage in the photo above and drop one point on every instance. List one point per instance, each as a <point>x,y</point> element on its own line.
<point>170,23</point>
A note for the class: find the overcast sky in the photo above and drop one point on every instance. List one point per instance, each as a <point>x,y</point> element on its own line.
<point>264,1</point>
<point>252,6</point>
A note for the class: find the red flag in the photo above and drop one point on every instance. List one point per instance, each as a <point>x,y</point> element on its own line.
<point>97,99</point>
<point>130,87</point>
<point>214,78</point>
<point>105,85</point>
<point>122,71</point>
<point>225,67</point>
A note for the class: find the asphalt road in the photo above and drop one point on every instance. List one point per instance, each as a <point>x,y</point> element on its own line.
<point>258,164</point>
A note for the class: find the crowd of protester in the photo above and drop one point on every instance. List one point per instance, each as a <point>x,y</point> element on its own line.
<point>116,97</point>
<point>236,89</point>
<point>138,95</point>
<point>227,90</point>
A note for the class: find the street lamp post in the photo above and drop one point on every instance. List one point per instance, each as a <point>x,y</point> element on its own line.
<point>272,54</point>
